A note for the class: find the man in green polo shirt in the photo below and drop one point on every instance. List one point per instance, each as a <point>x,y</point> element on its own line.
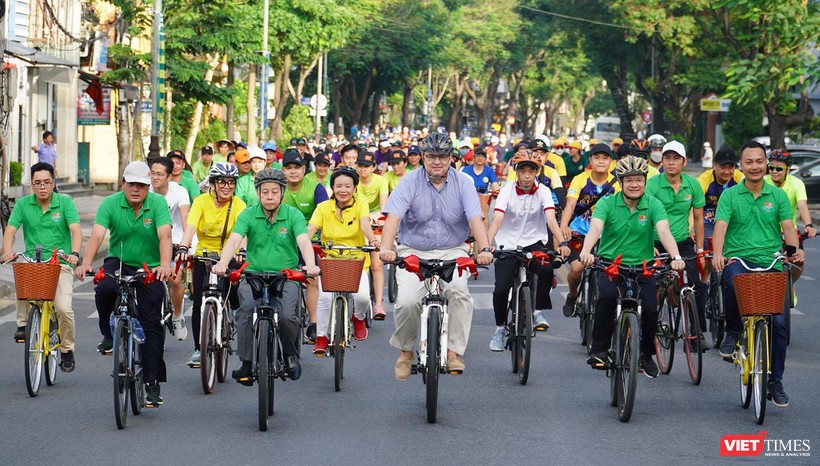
<point>182,176</point>
<point>139,223</point>
<point>201,167</point>
<point>49,220</point>
<point>625,223</point>
<point>681,195</point>
<point>748,222</point>
<point>276,234</point>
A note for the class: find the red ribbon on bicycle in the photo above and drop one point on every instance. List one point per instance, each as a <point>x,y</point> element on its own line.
<point>99,276</point>
<point>411,264</point>
<point>236,275</point>
<point>611,270</point>
<point>54,260</point>
<point>541,258</point>
<point>149,276</point>
<point>295,276</point>
<point>468,264</point>
<point>319,251</point>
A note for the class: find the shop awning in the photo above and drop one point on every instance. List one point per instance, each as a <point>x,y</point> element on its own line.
<point>36,57</point>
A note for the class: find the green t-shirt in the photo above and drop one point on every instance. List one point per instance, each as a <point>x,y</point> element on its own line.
<point>246,191</point>
<point>795,190</point>
<point>49,228</point>
<point>392,180</point>
<point>314,176</point>
<point>187,181</point>
<point>371,193</point>
<point>306,198</point>
<point>134,240</point>
<point>689,196</point>
<point>271,245</point>
<point>628,232</point>
<point>200,171</point>
<point>753,231</point>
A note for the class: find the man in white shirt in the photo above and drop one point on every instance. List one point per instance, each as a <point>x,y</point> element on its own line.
<point>179,203</point>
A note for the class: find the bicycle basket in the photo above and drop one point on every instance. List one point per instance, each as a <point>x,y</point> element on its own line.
<point>341,275</point>
<point>36,280</point>
<point>760,293</point>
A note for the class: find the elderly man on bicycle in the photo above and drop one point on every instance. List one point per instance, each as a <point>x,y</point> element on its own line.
<point>748,223</point>
<point>436,207</point>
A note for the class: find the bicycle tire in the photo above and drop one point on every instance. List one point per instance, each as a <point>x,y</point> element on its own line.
<point>223,353</point>
<point>512,330</point>
<point>53,356</point>
<point>717,319</point>
<point>524,332</point>
<point>692,338</point>
<point>277,366</point>
<point>33,351</point>
<point>207,348</point>
<point>743,363</point>
<point>392,284</point>
<point>760,371</point>
<point>665,335</point>
<point>628,365</point>
<point>120,373</point>
<point>136,384</point>
<point>339,305</point>
<point>790,300</point>
<point>581,306</point>
<point>263,340</point>
<point>433,358</point>
<point>589,316</point>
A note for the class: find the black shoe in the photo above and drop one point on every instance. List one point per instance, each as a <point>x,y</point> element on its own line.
<point>729,344</point>
<point>152,397</point>
<point>777,395</point>
<point>647,364</point>
<point>294,368</point>
<point>569,306</point>
<point>244,374</point>
<point>310,334</point>
<point>598,360</point>
<point>20,335</point>
<point>67,361</point>
<point>106,346</point>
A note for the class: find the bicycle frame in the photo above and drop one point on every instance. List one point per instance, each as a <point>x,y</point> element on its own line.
<point>743,357</point>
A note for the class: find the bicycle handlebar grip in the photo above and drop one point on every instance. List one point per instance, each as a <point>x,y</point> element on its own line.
<point>236,275</point>
<point>99,276</point>
<point>149,276</point>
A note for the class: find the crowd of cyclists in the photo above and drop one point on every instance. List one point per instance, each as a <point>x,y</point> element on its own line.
<point>429,191</point>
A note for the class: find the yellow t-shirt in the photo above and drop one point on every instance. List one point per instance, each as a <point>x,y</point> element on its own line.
<point>652,172</point>
<point>558,162</point>
<point>346,231</point>
<point>392,180</point>
<point>371,193</point>
<point>210,222</point>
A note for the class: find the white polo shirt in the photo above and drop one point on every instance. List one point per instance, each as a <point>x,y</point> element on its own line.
<point>525,219</point>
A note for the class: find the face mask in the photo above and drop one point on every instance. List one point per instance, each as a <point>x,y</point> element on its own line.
<point>464,151</point>
<point>656,156</point>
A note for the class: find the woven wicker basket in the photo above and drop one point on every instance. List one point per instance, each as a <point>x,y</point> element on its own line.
<point>36,280</point>
<point>760,293</point>
<point>341,275</point>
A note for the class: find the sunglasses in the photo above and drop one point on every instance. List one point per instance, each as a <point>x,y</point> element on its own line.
<point>775,168</point>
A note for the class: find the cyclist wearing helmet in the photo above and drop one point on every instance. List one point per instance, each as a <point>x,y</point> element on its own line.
<point>436,208</point>
<point>344,220</point>
<point>583,194</point>
<point>523,212</point>
<point>713,183</point>
<point>682,196</point>
<point>641,148</point>
<point>276,235</point>
<point>211,219</point>
<point>656,143</point>
<point>626,224</point>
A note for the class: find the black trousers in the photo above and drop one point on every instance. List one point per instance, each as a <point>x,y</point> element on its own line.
<point>605,313</point>
<point>687,249</point>
<point>199,280</point>
<point>506,268</point>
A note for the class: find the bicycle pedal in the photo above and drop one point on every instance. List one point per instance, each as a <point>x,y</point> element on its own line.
<point>16,340</point>
<point>152,405</point>
<point>414,369</point>
<point>454,372</point>
<point>194,366</point>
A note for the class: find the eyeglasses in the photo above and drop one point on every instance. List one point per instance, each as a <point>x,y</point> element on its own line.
<point>158,174</point>
<point>439,157</point>
<point>775,168</point>
<point>42,184</point>
<point>223,183</point>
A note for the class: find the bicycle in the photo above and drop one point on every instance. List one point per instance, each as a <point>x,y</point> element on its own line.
<point>623,354</point>
<point>268,362</point>
<point>587,297</point>
<point>761,294</point>
<point>217,330</point>
<point>341,276</point>
<point>670,317</point>
<point>36,281</point>
<point>802,236</point>
<point>128,337</point>
<point>432,354</point>
<point>521,298</point>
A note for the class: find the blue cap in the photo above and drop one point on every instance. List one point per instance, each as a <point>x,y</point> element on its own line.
<point>270,145</point>
<point>414,150</point>
<point>242,144</point>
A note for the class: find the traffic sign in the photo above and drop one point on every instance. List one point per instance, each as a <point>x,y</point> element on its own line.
<point>319,99</point>
<point>715,105</point>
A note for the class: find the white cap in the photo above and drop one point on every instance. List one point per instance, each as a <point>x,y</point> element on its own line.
<point>676,147</point>
<point>384,143</point>
<point>257,152</point>
<point>546,139</point>
<point>137,172</point>
<point>706,144</point>
<point>494,139</point>
<point>466,143</point>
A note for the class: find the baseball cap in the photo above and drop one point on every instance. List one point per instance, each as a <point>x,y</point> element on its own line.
<point>321,157</point>
<point>480,152</point>
<point>270,145</point>
<point>525,144</point>
<point>593,141</point>
<point>617,141</point>
<point>396,157</point>
<point>384,143</point>
<point>293,141</point>
<point>207,150</point>
<point>365,158</point>
<point>242,144</point>
<point>601,148</point>
<point>176,153</point>
<point>622,151</point>
<point>725,155</point>
<point>292,156</point>
<point>301,141</point>
<point>396,143</point>
<point>575,144</point>
<point>494,139</point>
<point>540,144</point>
<point>372,144</point>
<point>414,149</point>
<point>137,172</point>
<point>242,155</point>
<point>676,147</point>
<point>256,152</point>
<point>466,143</point>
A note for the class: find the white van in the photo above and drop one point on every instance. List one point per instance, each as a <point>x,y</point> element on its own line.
<point>606,129</point>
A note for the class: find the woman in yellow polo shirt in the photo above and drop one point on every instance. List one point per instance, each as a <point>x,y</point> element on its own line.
<point>345,221</point>
<point>211,218</point>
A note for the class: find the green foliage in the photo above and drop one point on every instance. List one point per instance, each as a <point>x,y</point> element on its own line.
<point>214,132</point>
<point>15,173</point>
<point>298,123</point>
<point>742,122</point>
<point>600,105</point>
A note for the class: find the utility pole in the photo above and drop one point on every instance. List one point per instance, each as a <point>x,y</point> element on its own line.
<point>429,94</point>
<point>153,147</point>
<point>316,134</point>
<point>263,81</point>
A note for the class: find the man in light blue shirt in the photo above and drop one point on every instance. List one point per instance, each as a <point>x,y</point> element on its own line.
<point>436,207</point>
<point>47,151</point>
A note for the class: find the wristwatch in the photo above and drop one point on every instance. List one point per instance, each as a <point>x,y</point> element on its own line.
<point>486,250</point>
<point>563,243</point>
<point>677,258</point>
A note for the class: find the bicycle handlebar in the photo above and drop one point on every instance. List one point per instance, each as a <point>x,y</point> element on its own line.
<point>542,257</point>
<point>288,274</point>
<point>777,258</point>
<point>145,275</point>
<point>444,268</point>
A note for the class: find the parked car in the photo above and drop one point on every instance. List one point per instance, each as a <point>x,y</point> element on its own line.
<point>810,174</point>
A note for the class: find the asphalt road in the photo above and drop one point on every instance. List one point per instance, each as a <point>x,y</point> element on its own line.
<point>562,416</point>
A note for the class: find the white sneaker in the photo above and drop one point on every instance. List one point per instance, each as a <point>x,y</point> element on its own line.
<point>497,342</point>
<point>195,360</point>
<point>540,322</point>
<point>180,330</point>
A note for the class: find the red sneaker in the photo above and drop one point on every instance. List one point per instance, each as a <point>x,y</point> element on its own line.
<point>359,329</point>
<point>320,348</point>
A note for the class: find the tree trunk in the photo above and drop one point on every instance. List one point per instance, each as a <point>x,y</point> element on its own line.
<point>374,110</point>
<point>280,96</point>
<point>123,135</point>
<point>779,123</point>
<point>251,105</point>
<point>407,99</point>
<point>229,109</point>
<point>616,81</point>
<point>197,117</point>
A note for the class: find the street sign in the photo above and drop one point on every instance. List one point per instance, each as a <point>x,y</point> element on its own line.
<point>319,102</point>
<point>322,113</point>
<point>715,105</point>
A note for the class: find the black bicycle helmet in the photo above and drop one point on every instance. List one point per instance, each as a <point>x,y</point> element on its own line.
<point>347,171</point>
<point>270,174</point>
<point>639,148</point>
<point>781,155</point>
<point>437,143</point>
<point>656,141</point>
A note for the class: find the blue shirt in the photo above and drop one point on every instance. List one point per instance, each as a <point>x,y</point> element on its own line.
<point>483,179</point>
<point>47,153</point>
<point>434,219</point>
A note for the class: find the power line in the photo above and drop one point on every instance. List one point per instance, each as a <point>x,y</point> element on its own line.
<point>550,13</point>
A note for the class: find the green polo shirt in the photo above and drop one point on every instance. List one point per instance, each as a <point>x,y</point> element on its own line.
<point>677,205</point>
<point>271,245</point>
<point>753,231</point>
<point>49,228</point>
<point>628,232</point>
<point>200,171</point>
<point>188,182</point>
<point>133,239</point>
<point>246,191</point>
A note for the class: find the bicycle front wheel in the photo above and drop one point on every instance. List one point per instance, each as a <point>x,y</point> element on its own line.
<point>744,366</point>
<point>665,336</point>
<point>53,355</point>
<point>524,336</point>
<point>263,366</point>
<point>120,373</point>
<point>137,384</point>
<point>760,370</point>
<point>392,284</point>
<point>627,362</point>
<point>588,317</point>
<point>33,351</point>
<point>207,345</point>
<point>717,322</point>
<point>692,338</point>
<point>433,358</point>
<point>223,353</point>
<point>339,340</point>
